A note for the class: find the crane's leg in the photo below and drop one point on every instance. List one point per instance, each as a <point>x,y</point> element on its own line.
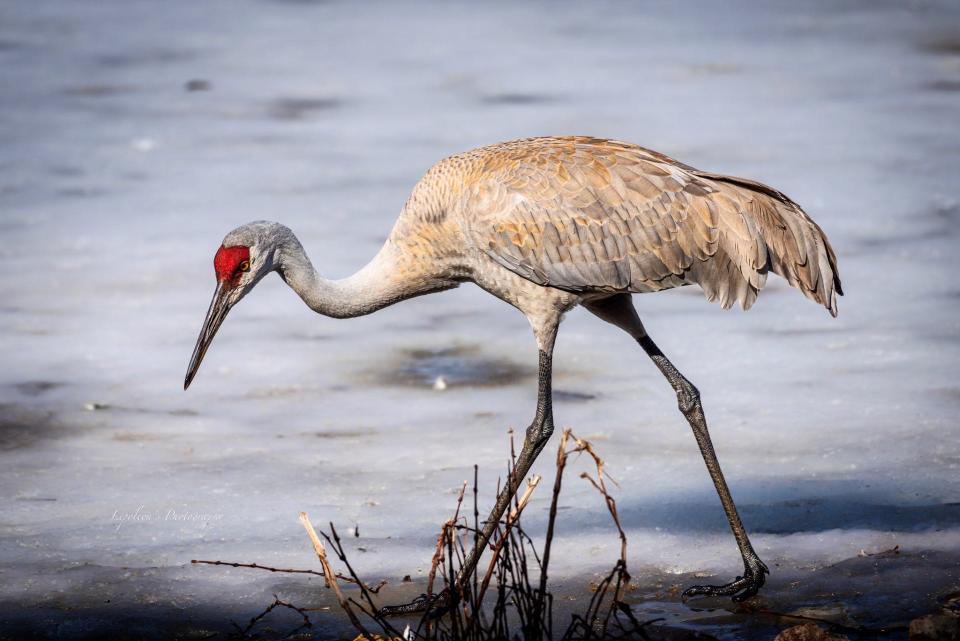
<point>618,310</point>
<point>534,441</point>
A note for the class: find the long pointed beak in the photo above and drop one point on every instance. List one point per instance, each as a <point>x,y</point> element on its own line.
<point>215,315</point>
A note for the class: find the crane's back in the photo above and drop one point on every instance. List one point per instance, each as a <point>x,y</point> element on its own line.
<point>595,216</point>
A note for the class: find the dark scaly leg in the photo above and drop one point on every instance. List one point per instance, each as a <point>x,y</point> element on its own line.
<point>533,443</point>
<point>688,398</point>
<point>619,311</point>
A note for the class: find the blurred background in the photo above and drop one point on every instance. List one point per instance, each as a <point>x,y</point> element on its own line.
<point>134,135</point>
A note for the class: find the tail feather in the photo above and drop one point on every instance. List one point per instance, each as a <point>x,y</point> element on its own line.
<point>793,246</point>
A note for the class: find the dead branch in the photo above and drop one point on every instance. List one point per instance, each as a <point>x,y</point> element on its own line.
<point>510,520</point>
<point>552,519</point>
<point>445,531</point>
<point>330,576</point>
<point>256,566</point>
<point>277,602</point>
<point>601,487</point>
<point>365,591</point>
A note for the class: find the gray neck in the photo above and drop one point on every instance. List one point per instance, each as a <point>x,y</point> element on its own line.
<point>374,287</point>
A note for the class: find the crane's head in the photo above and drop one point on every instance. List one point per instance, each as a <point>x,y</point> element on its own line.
<point>247,254</point>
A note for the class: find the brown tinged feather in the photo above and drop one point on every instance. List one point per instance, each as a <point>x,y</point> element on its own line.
<point>615,217</point>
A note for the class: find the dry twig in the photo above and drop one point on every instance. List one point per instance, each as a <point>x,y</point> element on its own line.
<point>256,566</point>
<point>330,576</point>
<point>244,632</point>
<point>508,526</point>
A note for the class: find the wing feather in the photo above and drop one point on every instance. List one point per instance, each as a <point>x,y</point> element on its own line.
<point>605,216</point>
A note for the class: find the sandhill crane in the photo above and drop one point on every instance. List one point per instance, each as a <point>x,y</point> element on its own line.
<point>547,224</point>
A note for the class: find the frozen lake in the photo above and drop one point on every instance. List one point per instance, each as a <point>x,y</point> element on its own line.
<point>134,135</point>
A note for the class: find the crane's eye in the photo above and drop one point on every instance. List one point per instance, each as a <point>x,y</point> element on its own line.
<point>245,266</point>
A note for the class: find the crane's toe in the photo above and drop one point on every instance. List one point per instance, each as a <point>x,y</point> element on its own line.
<point>742,588</point>
<point>435,605</point>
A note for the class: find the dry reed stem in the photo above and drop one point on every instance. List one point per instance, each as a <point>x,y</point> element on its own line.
<point>620,572</point>
<point>511,519</point>
<point>601,487</point>
<point>445,531</point>
<point>551,521</point>
<point>330,575</point>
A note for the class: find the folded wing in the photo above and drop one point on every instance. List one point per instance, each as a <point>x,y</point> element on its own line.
<point>588,215</point>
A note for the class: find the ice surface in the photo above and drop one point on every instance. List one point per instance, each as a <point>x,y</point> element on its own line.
<point>133,136</point>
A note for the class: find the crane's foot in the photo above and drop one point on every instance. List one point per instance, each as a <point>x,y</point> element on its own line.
<point>434,605</point>
<point>744,587</point>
